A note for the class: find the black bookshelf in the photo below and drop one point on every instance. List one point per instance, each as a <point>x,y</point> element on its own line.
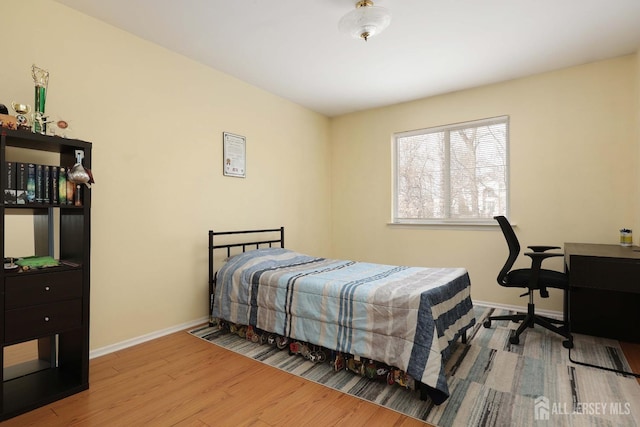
<point>51,305</point>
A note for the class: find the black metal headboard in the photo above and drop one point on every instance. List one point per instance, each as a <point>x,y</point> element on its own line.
<point>244,245</point>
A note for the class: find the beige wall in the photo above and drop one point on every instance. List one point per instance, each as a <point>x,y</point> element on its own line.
<point>156,120</point>
<point>573,156</point>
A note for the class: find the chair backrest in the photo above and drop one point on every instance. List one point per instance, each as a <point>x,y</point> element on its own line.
<point>514,247</point>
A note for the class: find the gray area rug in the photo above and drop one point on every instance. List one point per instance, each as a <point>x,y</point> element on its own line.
<point>492,383</point>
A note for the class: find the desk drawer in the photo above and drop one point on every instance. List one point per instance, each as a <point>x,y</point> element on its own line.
<point>22,324</point>
<point>34,289</point>
<point>605,274</point>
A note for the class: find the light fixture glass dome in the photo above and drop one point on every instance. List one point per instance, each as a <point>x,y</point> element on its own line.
<point>365,21</point>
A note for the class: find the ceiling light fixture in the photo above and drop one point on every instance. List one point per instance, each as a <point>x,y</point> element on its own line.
<point>365,21</point>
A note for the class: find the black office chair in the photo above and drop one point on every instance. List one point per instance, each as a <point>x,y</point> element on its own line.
<point>534,278</point>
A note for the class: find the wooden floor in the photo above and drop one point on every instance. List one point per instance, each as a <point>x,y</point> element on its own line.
<point>632,354</point>
<point>184,381</point>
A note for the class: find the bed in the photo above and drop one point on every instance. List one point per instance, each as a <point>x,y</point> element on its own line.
<point>404,317</point>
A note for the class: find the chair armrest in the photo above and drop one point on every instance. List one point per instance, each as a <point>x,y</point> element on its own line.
<point>536,265</point>
<point>543,248</point>
<point>542,255</point>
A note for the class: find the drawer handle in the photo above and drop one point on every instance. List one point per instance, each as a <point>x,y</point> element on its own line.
<point>46,318</point>
<point>47,288</point>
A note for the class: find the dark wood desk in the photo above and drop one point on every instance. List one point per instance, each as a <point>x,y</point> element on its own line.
<point>604,295</point>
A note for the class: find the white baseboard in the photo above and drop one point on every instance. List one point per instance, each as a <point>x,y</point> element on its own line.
<point>144,338</point>
<point>520,309</point>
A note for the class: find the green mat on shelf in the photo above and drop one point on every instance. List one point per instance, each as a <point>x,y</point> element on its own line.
<point>37,262</point>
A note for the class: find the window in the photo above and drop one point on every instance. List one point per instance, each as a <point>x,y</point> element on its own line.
<point>452,174</point>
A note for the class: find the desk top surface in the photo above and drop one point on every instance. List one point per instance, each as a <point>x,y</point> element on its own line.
<point>599,250</point>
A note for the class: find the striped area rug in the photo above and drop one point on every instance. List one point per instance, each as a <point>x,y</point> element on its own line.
<point>492,383</point>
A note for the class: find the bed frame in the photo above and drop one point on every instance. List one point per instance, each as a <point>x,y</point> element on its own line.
<point>229,246</point>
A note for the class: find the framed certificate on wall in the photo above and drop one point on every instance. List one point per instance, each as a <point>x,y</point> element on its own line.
<point>234,155</point>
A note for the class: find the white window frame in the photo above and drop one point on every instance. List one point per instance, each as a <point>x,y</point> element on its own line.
<point>447,221</point>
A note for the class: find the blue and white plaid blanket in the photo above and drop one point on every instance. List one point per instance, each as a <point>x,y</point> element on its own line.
<point>406,317</point>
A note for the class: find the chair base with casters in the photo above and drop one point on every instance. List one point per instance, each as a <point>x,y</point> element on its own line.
<point>529,319</point>
<point>533,279</point>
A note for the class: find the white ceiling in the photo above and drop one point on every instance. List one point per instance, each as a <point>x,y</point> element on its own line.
<point>293,48</point>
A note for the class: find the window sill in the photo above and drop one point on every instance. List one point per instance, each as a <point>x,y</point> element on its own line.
<point>449,225</point>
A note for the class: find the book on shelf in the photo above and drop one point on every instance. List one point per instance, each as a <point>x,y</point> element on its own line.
<point>21,183</point>
<point>10,188</point>
<point>46,184</point>
<point>31,183</point>
<point>53,189</point>
<point>39,193</point>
